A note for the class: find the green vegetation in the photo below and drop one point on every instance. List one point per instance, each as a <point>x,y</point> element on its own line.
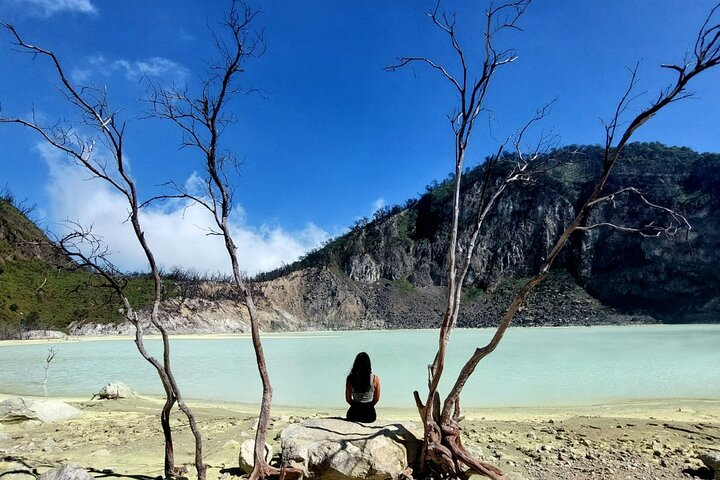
<point>34,295</point>
<point>404,285</point>
<point>406,222</point>
<point>472,294</point>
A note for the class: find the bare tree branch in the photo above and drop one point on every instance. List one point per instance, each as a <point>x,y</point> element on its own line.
<point>708,58</point>
<point>95,113</point>
<point>202,120</point>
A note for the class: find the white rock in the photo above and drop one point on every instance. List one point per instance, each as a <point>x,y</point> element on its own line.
<point>22,472</point>
<point>68,471</point>
<point>44,335</point>
<point>247,455</point>
<point>14,410</point>
<point>341,450</point>
<point>115,390</point>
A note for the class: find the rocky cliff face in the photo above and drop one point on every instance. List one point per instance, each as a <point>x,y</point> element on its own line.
<point>391,272</point>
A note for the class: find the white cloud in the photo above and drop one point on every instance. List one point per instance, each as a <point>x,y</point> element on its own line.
<point>378,204</point>
<point>47,8</point>
<point>177,232</point>
<point>157,67</point>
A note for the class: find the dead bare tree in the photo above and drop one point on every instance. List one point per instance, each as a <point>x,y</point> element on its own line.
<point>202,120</point>
<point>50,357</point>
<point>443,452</point>
<point>96,114</point>
<point>471,86</point>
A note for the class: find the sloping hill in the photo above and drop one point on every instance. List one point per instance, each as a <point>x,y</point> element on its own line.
<point>42,289</point>
<point>401,253</point>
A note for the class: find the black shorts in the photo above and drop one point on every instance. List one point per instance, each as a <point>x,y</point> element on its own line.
<point>361,412</point>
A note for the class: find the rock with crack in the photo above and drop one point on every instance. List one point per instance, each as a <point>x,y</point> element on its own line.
<point>334,449</point>
<point>115,390</point>
<point>68,471</point>
<point>16,410</point>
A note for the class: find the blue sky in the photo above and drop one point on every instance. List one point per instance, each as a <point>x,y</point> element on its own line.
<point>333,136</point>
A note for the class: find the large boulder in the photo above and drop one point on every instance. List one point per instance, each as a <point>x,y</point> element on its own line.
<point>335,449</point>
<point>15,410</point>
<point>12,469</point>
<point>247,455</point>
<point>115,390</point>
<point>68,471</point>
<point>711,459</point>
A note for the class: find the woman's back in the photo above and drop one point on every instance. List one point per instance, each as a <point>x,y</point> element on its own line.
<point>362,390</point>
<point>366,394</point>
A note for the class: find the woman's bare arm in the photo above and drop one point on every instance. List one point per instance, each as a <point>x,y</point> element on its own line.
<point>348,392</point>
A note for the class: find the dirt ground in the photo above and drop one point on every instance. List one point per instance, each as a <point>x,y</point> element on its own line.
<point>637,440</point>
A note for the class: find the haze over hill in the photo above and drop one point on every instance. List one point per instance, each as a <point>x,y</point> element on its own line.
<point>389,272</point>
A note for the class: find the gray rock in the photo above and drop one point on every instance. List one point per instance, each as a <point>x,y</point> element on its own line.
<point>44,335</point>
<point>115,390</point>
<point>247,455</point>
<point>711,459</point>
<point>68,471</point>
<point>21,471</point>
<point>16,410</point>
<point>340,450</point>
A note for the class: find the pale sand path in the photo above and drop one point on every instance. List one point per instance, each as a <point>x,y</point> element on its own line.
<point>639,439</point>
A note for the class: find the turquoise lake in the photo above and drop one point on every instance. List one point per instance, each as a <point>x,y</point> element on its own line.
<point>531,367</point>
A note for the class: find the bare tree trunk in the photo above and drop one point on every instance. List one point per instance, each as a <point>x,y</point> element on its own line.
<point>443,452</point>
<point>202,121</point>
<point>91,103</point>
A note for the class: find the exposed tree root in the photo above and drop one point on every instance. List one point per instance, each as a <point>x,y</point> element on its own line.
<point>264,470</point>
<point>445,455</point>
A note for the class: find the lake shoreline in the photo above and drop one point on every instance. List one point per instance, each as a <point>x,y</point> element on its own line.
<point>644,439</point>
<point>324,333</point>
<point>532,368</point>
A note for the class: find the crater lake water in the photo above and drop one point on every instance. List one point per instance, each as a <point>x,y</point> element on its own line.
<point>531,366</point>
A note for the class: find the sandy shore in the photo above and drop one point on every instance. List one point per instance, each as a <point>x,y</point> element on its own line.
<point>634,440</point>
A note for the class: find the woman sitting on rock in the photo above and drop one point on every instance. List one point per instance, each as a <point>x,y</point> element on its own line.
<point>362,390</point>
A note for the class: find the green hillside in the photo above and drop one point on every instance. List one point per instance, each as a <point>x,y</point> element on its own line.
<point>41,289</point>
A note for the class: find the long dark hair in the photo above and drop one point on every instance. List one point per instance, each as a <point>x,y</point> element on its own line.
<point>359,377</point>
